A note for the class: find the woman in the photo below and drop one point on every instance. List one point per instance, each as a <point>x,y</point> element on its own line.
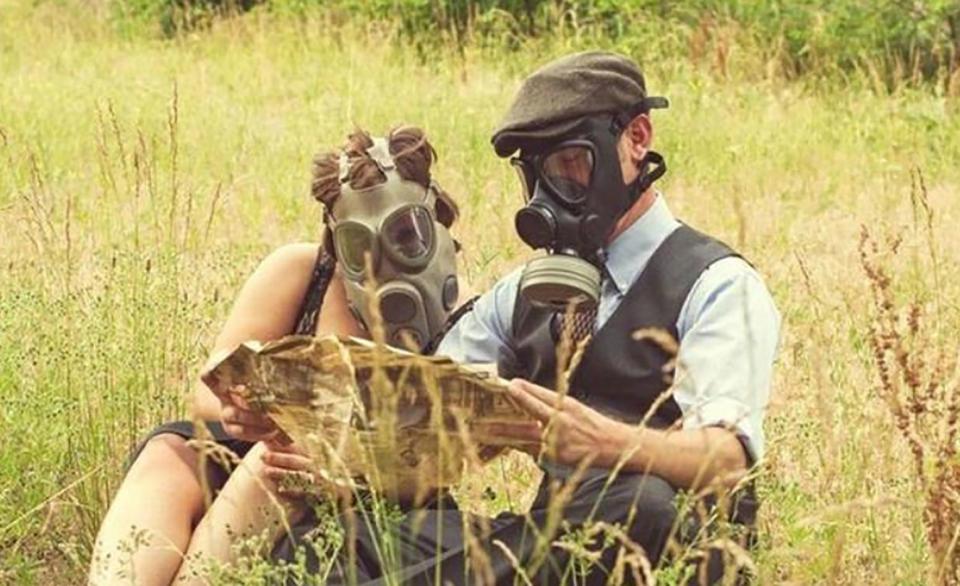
<point>382,211</point>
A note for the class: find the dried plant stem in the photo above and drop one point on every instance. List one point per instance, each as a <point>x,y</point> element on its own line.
<point>924,401</point>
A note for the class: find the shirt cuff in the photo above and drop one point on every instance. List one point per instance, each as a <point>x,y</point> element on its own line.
<point>749,453</point>
<point>729,414</point>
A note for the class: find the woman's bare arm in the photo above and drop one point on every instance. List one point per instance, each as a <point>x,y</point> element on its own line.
<point>266,309</point>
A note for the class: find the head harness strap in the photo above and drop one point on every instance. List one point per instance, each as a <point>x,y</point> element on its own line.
<point>379,153</point>
<point>344,167</point>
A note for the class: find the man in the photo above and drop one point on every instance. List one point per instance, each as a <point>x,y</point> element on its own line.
<point>582,128</point>
<point>635,424</point>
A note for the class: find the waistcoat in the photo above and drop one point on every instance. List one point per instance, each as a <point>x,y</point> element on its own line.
<point>618,375</point>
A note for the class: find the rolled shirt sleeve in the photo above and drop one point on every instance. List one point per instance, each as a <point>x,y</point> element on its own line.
<point>729,331</point>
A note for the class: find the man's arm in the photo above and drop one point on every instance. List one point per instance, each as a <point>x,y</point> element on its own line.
<point>689,458</point>
<point>729,334</point>
<point>573,433</point>
<point>483,334</point>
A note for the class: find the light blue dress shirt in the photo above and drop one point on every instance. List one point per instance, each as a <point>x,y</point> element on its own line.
<point>729,329</point>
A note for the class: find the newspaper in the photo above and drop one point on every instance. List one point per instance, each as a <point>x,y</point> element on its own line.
<point>374,415</point>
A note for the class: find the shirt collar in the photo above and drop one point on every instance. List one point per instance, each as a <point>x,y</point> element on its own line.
<point>632,249</point>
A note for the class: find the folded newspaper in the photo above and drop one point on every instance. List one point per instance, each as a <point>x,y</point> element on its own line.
<point>370,414</point>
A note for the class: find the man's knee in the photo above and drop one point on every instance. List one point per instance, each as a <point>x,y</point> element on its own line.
<point>644,505</point>
<point>643,495</point>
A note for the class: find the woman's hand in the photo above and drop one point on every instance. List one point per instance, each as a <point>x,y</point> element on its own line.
<point>288,468</point>
<point>239,420</point>
<point>242,422</point>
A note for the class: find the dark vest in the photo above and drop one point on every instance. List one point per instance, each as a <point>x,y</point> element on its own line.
<point>617,375</point>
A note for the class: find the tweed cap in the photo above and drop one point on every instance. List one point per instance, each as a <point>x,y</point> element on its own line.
<point>553,99</point>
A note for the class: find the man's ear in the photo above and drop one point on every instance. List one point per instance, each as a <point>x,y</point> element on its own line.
<point>639,135</point>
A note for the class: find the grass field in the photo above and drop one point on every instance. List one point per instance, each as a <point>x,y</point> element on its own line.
<point>141,180</point>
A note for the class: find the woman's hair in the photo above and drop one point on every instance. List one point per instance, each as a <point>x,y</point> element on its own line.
<point>411,152</point>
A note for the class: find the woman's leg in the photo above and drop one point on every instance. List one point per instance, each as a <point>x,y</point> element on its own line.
<point>245,507</point>
<point>150,521</point>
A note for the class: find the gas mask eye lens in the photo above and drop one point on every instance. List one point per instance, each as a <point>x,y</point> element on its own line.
<point>569,171</point>
<point>353,242</point>
<point>410,233</point>
<point>526,177</point>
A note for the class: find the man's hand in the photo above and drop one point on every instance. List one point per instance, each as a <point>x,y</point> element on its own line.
<point>569,431</point>
<point>239,420</point>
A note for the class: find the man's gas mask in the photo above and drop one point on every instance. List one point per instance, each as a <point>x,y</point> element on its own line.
<point>575,194</point>
<point>412,255</point>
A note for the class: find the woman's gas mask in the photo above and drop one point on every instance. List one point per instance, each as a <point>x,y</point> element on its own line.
<point>412,255</point>
<point>575,194</point>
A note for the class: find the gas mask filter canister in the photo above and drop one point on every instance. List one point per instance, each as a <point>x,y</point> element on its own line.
<point>412,254</point>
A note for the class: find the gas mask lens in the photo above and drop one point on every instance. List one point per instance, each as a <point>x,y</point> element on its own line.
<point>353,241</point>
<point>526,176</point>
<point>568,171</point>
<point>408,233</point>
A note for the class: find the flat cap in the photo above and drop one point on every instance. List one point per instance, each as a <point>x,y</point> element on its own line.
<point>553,99</point>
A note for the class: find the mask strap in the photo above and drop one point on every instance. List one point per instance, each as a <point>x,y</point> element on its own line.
<point>647,176</point>
<point>380,153</point>
<point>344,167</point>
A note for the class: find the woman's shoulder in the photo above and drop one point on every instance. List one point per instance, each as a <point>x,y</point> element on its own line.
<point>286,271</point>
<point>293,257</point>
<point>301,275</point>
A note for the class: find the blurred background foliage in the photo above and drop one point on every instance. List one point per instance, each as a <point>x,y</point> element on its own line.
<point>894,41</point>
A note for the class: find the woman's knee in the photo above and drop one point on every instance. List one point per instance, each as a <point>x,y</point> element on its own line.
<point>168,458</point>
<point>162,477</point>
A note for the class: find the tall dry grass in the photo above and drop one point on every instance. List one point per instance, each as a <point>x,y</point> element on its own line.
<point>140,181</point>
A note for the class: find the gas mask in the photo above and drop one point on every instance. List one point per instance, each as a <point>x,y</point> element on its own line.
<point>412,254</point>
<point>575,194</point>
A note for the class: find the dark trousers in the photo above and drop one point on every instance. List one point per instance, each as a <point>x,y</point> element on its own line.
<point>430,545</point>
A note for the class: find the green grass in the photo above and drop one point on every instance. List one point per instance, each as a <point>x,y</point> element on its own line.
<point>141,180</point>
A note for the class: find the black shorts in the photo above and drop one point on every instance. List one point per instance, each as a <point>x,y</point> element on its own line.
<point>217,469</point>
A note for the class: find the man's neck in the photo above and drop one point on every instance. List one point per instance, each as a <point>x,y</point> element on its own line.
<point>636,211</point>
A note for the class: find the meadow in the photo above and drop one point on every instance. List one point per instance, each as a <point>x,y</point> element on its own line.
<point>142,178</point>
